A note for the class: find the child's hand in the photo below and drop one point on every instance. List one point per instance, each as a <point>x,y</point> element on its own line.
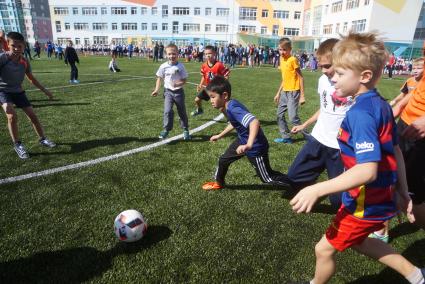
<point>214,138</point>
<point>154,93</point>
<point>302,100</point>
<point>297,128</point>
<point>404,204</point>
<point>243,148</point>
<point>276,99</point>
<point>304,200</point>
<point>199,88</point>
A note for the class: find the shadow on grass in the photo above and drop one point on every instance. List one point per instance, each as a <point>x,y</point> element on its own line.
<point>45,100</point>
<point>260,186</point>
<point>67,104</point>
<point>413,253</point>
<point>74,265</point>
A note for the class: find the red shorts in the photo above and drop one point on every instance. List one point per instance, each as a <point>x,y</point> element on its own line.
<point>347,230</point>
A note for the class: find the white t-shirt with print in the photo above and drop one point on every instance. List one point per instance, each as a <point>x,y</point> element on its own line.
<point>171,73</point>
<point>332,113</point>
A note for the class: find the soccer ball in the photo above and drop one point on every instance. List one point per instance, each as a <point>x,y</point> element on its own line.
<point>129,226</point>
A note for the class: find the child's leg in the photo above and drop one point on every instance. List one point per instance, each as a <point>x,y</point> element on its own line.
<point>225,160</point>
<point>419,212</point>
<point>198,103</point>
<point>325,261</point>
<point>281,121</point>
<point>266,173</point>
<point>29,111</point>
<point>168,111</point>
<point>181,109</point>
<point>385,254</point>
<point>292,103</point>
<point>12,121</point>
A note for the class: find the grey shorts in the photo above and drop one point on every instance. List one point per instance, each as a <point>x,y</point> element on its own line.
<point>20,100</point>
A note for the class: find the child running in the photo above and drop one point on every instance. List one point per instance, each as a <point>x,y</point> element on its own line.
<point>209,70</point>
<point>174,75</point>
<point>251,140</point>
<point>373,161</point>
<point>321,150</point>
<point>113,66</point>
<point>291,91</point>
<point>13,68</point>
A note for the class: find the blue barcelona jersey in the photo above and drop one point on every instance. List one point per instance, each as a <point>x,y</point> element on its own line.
<point>240,118</point>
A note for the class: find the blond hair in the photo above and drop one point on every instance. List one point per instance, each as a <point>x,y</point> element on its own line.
<point>418,61</point>
<point>326,47</point>
<point>285,42</point>
<point>360,52</point>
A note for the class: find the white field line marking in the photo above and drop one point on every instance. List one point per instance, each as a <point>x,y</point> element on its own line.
<point>107,158</point>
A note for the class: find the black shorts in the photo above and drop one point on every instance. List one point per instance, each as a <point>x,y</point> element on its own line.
<point>414,157</point>
<point>203,95</point>
<point>20,100</point>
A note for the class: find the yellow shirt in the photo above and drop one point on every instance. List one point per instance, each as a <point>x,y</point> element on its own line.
<point>290,78</point>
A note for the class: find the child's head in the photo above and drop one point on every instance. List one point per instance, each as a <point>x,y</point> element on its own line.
<point>324,56</point>
<point>209,53</point>
<point>171,50</point>
<point>16,42</point>
<point>418,68</point>
<point>69,42</point>
<point>219,90</point>
<point>285,47</point>
<point>358,60</point>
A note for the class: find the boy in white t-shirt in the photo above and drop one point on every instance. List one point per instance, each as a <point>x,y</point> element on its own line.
<point>174,75</point>
<point>321,150</point>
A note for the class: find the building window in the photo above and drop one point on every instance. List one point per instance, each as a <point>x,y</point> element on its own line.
<point>246,28</point>
<point>114,26</point>
<point>118,11</point>
<point>263,30</point>
<point>77,41</point>
<point>345,27</point>
<point>351,4</point>
<point>60,11</point>
<point>175,27</point>
<point>129,26</point>
<point>181,10</point>
<point>327,29</point>
<point>164,11</point>
<point>208,11</point>
<point>196,11</point>
<point>81,26</point>
<point>100,40</point>
<point>247,13</point>
<point>275,30</point>
<point>165,26</point>
<point>222,12</point>
<point>144,26</point>
<point>291,31</point>
<point>294,1</point>
<point>87,11</point>
<point>103,11</point>
<point>366,2</point>
<point>264,13</point>
<point>280,14</point>
<point>143,10</point>
<point>134,10</point>
<point>336,7</point>
<point>100,26</point>
<point>221,28</point>
<point>58,26</point>
<point>75,11</point>
<point>154,11</point>
<point>297,15</point>
<point>337,28</point>
<point>191,27</point>
<point>67,26</point>
<point>207,27</point>
<point>154,26</point>
<point>358,26</point>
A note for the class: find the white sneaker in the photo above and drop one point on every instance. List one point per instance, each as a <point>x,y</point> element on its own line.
<point>47,143</point>
<point>21,151</point>
<point>76,82</point>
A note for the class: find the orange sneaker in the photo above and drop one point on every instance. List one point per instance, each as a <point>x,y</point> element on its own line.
<point>212,185</point>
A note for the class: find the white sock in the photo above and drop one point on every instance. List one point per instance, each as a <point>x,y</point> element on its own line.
<point>415,277</point>
<point>312,282</point>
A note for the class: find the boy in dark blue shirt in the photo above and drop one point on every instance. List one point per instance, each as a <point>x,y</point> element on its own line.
<point>251,140</point>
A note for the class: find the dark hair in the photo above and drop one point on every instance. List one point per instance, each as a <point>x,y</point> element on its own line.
<point>210,47</point>
<point>15,36</point>
<point>219,85</point>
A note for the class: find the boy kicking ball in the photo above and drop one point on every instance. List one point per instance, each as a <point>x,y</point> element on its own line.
<point>13,68</point>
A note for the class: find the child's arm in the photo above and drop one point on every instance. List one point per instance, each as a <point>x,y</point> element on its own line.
<point>277,97</point>
<point>398,108</point>
<point>404,201</point>
<point>254,127</point>
<point>356,176</point>
<point>157,86</point>
<point>397,99</point>
<point>302,98</point>
<point>309,121</point>
<point>226,130</point>
<point>180,83</point>
<point>201,85</point>
<point>35,82</point>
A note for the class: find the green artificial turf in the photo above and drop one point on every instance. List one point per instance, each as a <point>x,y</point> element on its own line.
<point>59,227</point>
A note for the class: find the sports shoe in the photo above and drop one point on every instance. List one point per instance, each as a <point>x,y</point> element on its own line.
<point>196,112</point>
<point>21,151</point>
<point>212,185</point>
<point>384,238</point>
<point>71,81</point>
<point>76,82</point>
<point>186,135</point>
<point>284,140</point>
<point>163,134</point>
<point>47,143</point>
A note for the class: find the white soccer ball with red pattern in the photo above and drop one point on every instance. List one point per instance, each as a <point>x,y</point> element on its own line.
<point>129,226</point>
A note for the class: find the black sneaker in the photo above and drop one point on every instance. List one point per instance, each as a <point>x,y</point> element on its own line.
<point>21,151</point>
